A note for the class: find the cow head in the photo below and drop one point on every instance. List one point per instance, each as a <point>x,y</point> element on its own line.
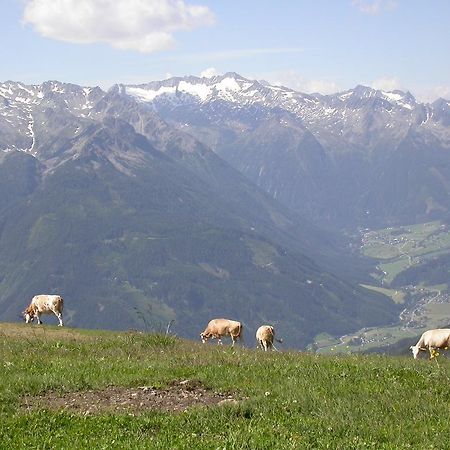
<point>207,335</point>
<point>29,314</point>
<point>415,350</point>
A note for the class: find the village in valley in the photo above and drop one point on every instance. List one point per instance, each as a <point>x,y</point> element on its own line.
<point>425,305</point>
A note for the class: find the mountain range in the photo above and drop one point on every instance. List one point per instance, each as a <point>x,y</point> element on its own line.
<point>192,197</point>
<point>361,157</point>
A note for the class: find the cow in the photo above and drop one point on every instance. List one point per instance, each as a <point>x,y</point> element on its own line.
<point>44,304</point>
<point>217,328</point>
<point>265,335</point>
<point>432,340</point>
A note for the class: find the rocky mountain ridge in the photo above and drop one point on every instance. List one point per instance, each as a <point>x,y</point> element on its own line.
<point>330,157</point>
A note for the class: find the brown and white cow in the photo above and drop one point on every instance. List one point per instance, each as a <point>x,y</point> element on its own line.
<point>265,335</point>
<point>432,340</point>
<point>222,327</point>
<point>44,304</point>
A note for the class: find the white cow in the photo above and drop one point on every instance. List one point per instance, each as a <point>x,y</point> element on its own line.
<point>44,304</point>
<point>265,335</point>
<point>222,327</point>
<point>432,340</point>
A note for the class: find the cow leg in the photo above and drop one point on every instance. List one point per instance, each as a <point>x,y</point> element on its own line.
<point>38,318</point>
<point>59,316</point>
<point>431,350</point>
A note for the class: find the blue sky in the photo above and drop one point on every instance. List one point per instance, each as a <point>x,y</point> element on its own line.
<point>317,45</point>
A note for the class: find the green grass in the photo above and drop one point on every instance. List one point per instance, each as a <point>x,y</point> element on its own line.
<point>393,268</point>
<point>397,296</point>
<point>293,400</point>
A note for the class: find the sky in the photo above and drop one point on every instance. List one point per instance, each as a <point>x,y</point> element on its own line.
<point>321,46</point>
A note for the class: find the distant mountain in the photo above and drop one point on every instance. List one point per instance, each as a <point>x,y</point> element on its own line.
<point>136,222</point>
<point>363,157</point>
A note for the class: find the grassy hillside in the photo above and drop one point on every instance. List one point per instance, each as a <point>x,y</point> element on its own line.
<point>165,243</point>
<point>276,400</point>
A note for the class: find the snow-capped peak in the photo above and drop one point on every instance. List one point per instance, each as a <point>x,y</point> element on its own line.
<point>360,93</point>
<point>224,87</point>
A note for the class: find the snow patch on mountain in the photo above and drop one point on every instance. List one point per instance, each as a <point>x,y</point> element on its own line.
<point>202,89</point>
<point>228,84</point>
<point>32,135</point>
<point>147,95</point>
<point>397,98</point>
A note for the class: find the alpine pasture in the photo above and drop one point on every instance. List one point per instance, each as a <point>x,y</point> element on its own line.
<point>253,399</point>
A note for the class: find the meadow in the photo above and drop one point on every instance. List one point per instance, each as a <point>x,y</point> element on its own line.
<point>281,400</point>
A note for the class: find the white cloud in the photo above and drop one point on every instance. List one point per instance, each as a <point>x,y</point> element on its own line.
<point>142,25</point>
<point>293,80</point>
<point>321,86</point>
<point>386,84</point>
<point>431,93</point>
<point>209,72</point>
<point>374,7</point>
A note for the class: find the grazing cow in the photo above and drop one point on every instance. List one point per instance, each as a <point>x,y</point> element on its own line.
<point>432,340</point>
<point>265,335</point>
<point>222,327</point>
<point>44,304</point>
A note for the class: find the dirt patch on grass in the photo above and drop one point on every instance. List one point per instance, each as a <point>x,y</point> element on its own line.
<point>178,397</point>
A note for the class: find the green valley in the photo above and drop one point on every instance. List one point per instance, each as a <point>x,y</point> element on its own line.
<point>412,269</point>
